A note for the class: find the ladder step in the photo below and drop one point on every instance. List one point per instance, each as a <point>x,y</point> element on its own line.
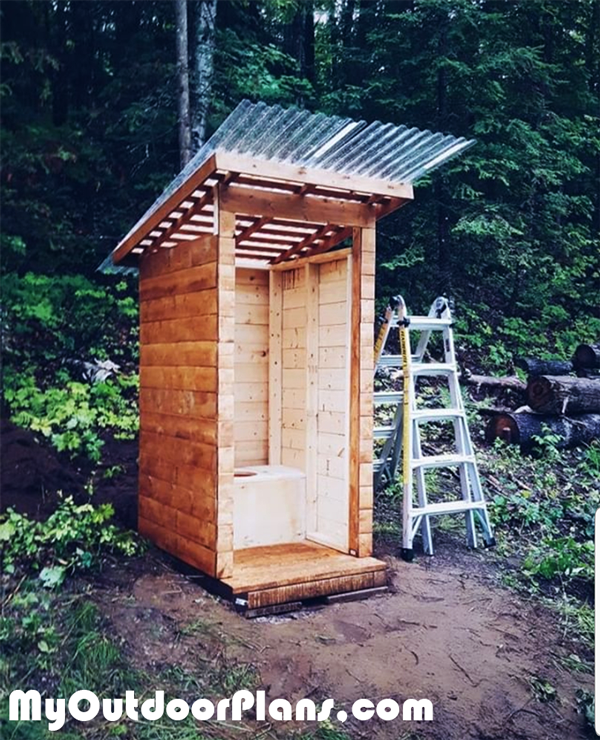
<point>390,361</point>
<point>382,397</point>
<point>437,414</point>
<point>427,323</point>
<point>432,368</point>
<point>383,432</point>
<point>448,507</point>
<point>442,461</point>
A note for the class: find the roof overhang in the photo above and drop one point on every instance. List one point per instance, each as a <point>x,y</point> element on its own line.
<point>297,182</point>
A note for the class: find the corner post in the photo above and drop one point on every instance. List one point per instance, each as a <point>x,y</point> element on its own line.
<point>225,224</point>
<point>361,392</point>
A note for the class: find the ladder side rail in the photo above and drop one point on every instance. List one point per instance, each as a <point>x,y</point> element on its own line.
<point>407,432</point>
<point>425,336</point>
<point>421,490</point>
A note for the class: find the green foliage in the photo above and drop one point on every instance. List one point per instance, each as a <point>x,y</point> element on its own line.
<point>564,556</point>
<point>51,325</point>
<point>75,537</point>
<point>543,509</point>
<point>49,320</point>
<point>74,416</point>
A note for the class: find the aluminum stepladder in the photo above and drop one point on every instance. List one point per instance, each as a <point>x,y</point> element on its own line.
<point>406,431</point>
<point>386,464</point>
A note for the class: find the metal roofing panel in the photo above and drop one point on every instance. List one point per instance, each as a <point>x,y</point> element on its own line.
<point>394,154</point>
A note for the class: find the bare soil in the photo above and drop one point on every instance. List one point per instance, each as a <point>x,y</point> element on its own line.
<point>33,476</point>
<point>446,631</point>
<point>32,473</point>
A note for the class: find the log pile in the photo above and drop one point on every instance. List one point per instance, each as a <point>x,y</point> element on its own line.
<point>567,405</point>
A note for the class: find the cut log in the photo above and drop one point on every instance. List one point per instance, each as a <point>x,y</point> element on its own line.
<point>532,366</point>
<point>509,382</point>
<point>586,356</point>
<point>521,428</point>
<point>549,394</point>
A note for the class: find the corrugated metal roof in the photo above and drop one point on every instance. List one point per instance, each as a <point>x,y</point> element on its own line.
<point>395,154</point>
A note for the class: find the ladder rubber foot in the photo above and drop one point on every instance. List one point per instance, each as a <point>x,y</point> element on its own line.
<point>490,543</point>
<point>407,554</point>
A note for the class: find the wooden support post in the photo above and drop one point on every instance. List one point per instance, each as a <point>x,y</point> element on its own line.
<point>361,392</point>
<point>275,365</point>
<point>225,387</point>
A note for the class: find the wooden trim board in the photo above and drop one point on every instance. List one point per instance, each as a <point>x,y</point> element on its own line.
<point>267,170</point>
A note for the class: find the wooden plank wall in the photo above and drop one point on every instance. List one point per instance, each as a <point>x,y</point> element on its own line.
<point>361,391</point>
<point>293,372</point>
<point>332,460</point>
<point>251,367</point>
<point>178,401</point>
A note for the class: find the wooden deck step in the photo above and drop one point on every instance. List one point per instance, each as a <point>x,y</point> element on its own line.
<point>298,571</point>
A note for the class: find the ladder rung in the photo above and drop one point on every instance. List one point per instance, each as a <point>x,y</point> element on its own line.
<point>441,461</point>
<point>432,368</point>
<point>383,432</point>
<point>436,414</point>
<point>448,507</point>
<point>390,361</point>
<point>377,465</point>
<point>427,323</point>
<point>382,397</point>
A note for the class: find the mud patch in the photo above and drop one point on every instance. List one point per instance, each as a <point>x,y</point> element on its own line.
<point>33,473</point>
<point>449,633</point>
<point>34,476</point>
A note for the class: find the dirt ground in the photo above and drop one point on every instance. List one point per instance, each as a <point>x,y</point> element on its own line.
<point>33,476</point>
<point>445,631</point>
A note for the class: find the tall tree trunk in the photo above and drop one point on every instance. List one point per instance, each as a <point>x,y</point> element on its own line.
<point>443,222</point>
<point>309,42</point>
<point>204,51</point>
<point>61,81</point>
<point>183,82</point>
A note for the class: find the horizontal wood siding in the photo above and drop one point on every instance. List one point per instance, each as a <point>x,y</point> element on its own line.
<point>178,401</point>
<point>251,367</point>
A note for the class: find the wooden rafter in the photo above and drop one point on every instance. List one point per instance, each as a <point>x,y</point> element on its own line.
<point>338,236</point>
<point>257,248</point>
<point>182,193</point>
<point>310,239</point>
<point>277,240</point>
<point>247,232</point>
<point>178,223</point>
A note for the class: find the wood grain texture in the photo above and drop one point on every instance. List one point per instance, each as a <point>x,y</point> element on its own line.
<point>225,386</point>
<point>332,448</point>
<point>276,396</point>
<point>276,566</point>
<point>361,391</point>
<point>251,366</point>
<point>178,401</point>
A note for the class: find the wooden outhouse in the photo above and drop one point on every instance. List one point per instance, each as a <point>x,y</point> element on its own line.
<point>256,274</point>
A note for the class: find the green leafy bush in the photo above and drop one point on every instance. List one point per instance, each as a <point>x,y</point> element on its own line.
<point>75,537</point>
<point>564,557</point>
<point>52,319</point>
<point>74,415</point>
<point>51,325</point>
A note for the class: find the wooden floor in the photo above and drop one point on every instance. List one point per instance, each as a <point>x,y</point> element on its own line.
<point>294,572</point>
